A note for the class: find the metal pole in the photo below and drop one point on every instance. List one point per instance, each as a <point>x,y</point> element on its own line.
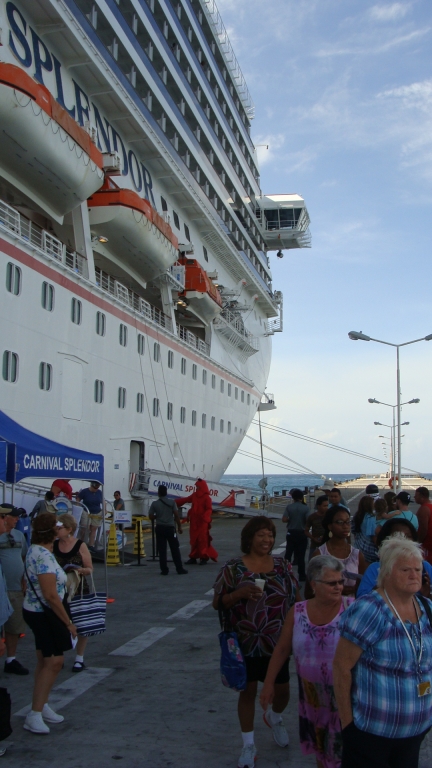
<point>399,421</point>
<point>393,432</point>
<point>261,445</point>
<point>104,540</point>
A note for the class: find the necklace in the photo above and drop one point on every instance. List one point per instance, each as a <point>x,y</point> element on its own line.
<point>423,686</point>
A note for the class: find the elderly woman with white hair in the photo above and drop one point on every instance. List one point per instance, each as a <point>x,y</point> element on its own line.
<point>311,633</point>
<point>383,665</point>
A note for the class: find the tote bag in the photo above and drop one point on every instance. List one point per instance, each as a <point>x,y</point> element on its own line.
<point>232,663</point>
<point>5,714</point>
<point>89,612</point>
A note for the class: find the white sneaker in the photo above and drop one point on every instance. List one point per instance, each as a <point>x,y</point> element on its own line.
<point>35,723</point>
<point>248,756</point>
<point>50,716</point>
<point>280,733</point>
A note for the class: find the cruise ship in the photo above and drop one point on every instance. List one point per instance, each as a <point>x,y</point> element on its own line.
<point>137,307</point>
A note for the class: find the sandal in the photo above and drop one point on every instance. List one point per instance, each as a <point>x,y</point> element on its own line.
<point>78,666</point>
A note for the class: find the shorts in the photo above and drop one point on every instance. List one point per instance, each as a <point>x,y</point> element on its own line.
<point>45,639</point>
<point>95,521</point>
<point>15,624</point>
<point>257,666</point>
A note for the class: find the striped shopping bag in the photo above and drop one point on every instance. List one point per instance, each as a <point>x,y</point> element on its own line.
<point>88,612</point>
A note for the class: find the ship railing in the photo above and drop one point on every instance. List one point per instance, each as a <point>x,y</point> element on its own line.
<point>237,322</point>
<point>133,300</point>
<point>32,233</point>
<point>193,341</point>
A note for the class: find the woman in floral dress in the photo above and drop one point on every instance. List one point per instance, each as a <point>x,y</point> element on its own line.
<point>311,633</point>
<point>257,615</point>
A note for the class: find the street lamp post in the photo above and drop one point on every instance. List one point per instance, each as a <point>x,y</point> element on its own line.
<point>359,336</point>
<point>399,406</point>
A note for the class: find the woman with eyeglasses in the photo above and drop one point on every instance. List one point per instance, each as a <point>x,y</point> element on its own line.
<point>311,634</point>
<point>337,531</point>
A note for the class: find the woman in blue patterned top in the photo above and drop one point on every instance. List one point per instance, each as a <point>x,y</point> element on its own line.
<point>383,665</point>
<point>45,613</point>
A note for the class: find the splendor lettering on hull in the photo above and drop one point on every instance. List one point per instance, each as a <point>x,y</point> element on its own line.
<point>32,53</point>
<point>32,461</point>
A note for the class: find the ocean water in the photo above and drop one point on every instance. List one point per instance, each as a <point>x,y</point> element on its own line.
<point>282,482</point>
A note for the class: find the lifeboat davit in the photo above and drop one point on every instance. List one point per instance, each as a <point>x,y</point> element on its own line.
<point>135,231</point>
<point>202,296</point>
<point>43,150</point>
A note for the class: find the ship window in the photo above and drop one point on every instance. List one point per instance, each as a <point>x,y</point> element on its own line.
<point>76,311</point>
<point>248,399</point>
<point>205,253</point>
<point>170,359</point>
<point>176,219</point>
<point>140,402</point>
<point>235,429</point>
<point>169,411</point>
<point>204,420</point>
<point>229,427</point>
<point>164,204</point>
<point>229,390</point>
<point>204,376</point>
<point>222,385</point>
<point>187,233</point>
<point>213,381</point>
<point>236,393</point>
<point>48,296</point>
<point>242,396</point>
<point>13,279</point>
<point>99,391</point>
<point>182,415</point>
<point>45,376</point>
<point>221,425</point>
<point>155,406</point>
<point>213,423</point>
<point>141,343</point>
<point>123,334</point>
<point>100,323</point>
<point>194,371</point>
<point>10,366</point>
<point>183,366</point>
<point>121,398</point>
<point>194,418</point>
<point>156,352</point>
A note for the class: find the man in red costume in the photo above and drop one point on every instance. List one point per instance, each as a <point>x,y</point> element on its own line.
<point>62,486</point>
<point>200,516</point>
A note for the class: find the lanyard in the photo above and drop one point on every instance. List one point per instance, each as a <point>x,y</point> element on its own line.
<point>419,656</point>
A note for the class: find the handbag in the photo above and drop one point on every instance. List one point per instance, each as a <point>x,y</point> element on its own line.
<point>5,714</point>
<point>89,611</point>
<point>56,625</point>
<point>232,663</point>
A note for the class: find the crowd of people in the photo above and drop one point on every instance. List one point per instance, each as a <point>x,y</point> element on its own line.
<point>361,637</point>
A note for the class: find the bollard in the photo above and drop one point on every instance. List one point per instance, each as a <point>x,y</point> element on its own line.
<point>112,557</point>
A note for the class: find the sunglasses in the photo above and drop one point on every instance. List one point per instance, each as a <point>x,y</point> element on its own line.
<point>341,522</point>
<point>339,582</point>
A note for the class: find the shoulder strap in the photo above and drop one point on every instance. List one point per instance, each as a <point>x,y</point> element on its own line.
<point>35,593</point>
<point>425,603</point>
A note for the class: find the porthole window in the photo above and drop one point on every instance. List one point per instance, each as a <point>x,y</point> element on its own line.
<point>236,393</point>
<point>99,391</point>
<point>187,233</point>
<point>76,311</point>
<point>141,343</point>
<point>204,376</point>
<point>47,296</point>
<point>176,219</point>
<point>229,427</point>
<point>100,324</point>
<point>140,402</point>
<point>164,204</point>
<point>45,376</point>
<point>123,335</point>
<point>182,415</point>
<point>194,371</point>
<point>156,352</point>
<point>213,424</point>
<point>242,396</point>
<point>194,418</point>
<point>121,398</point>
<point>10,366</point>
<point>213,381</point>
<point>222,386</point>
<point>13,279</point>
<point>221,425</point>
<point>205,254</point>
<point>248,399</point>
<point>229,390</point>
<point>155,406</point>
<point>204,420</point>
<point>169,411</point>
<point>183,366</point>
<point>170,359</point>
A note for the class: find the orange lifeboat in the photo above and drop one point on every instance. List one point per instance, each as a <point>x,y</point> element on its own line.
<point>203,298</point>
<point>135,230</point>
<point>43,150</point>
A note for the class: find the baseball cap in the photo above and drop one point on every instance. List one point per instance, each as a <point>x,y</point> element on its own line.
<point>404,497</point>
<point>371,488</point>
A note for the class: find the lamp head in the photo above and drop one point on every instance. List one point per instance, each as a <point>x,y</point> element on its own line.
<point>404,423</point>
<point>415,400</point>
<point>372,400</point>
<point>358,336</point>
<point>279,255</point>
<point>378,424</point>
<point>429,337</point>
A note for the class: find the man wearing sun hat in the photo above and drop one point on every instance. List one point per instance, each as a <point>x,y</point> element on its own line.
<point>13,549</point>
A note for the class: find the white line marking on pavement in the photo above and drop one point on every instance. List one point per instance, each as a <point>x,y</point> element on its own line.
<point>63,694</point>
<point>137,644</point>
<point>190,609</point>
<point>210,592</point>
<point>354,497</point>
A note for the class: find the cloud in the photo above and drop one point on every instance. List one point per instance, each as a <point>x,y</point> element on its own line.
<point>372,50</point>
<point>391,12</point>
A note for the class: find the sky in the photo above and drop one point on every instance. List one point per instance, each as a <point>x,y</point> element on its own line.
<point>343,97</point>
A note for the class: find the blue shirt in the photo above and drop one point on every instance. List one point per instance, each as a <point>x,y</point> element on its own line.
<point>92,500</point>
<point>404,515</point>
<point>370,578</point>
<point>384,692</point>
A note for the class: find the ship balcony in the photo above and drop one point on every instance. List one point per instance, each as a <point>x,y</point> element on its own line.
<point>231,328</point>
<point>31,234</point>
<point>283,221</point>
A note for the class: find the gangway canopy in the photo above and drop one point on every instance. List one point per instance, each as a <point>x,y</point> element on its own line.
<point>3,461</point>
<point>32,455</point>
